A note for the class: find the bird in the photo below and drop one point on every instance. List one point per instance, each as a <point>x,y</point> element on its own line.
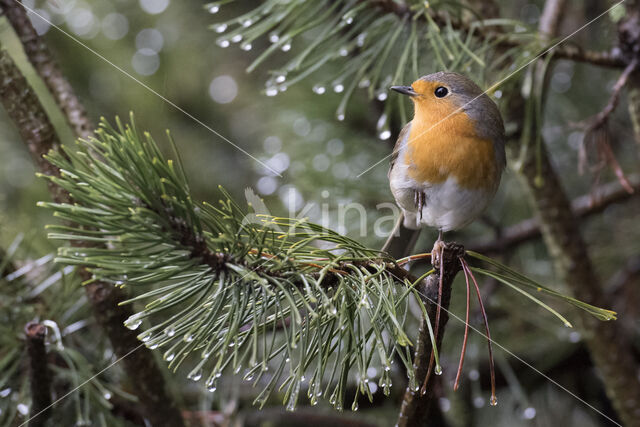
<point>447,163</point>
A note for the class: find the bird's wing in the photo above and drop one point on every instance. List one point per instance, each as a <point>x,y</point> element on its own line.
<point>402,140</point>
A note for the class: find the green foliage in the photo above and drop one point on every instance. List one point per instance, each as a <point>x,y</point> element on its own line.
<point>518,281</point>
<point>280,299</point>
<point>380,43</point>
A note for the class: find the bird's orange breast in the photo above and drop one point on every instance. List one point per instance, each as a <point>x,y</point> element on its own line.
<point>437,150</point>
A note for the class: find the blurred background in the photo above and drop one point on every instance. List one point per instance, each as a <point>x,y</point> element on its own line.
<point>168,46</point>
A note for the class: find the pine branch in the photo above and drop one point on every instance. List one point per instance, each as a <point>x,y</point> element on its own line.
<point>37,132</point>
<point>235,283</point>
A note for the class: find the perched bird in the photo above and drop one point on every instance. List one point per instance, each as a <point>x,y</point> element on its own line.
<point>447,163</point>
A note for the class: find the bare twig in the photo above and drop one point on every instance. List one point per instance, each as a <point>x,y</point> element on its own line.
<point>583,206</point>
<point>596,135</point>
<point>39,374</point>
<point>37,132</point>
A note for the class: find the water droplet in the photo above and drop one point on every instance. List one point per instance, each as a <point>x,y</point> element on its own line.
<point>280,78</point>
<point>343,51</point>
<point>106,395</point>
<point>6,392</point>
<point>493,401</point>
<point>271,91</point>
<point>188,338</point>
<point>338,88</point>
<point>169,356</point>
<point>364,83</point>
<point>237,38</point>
<point>319,89</point>
<point>347,18</point>
<point>221,28</point>
<point>223,43</point>
<point>387,367</point>
<point>133,322</point>
<point>286,47</point>
<point>354,406</point>
<point>153,346</point>
<point>195,375</point>
<point>145,337</point>
<point>246,46</point>
<point>384,135</point>
<point>340,116</point>
<point>529,413</point>
<point>287,360</point>
<point>170,331</point>
<point>214,8</point>
<point>211,388</point>
<point>274,38</point>
<point>247,23</point>
<point>382,96</point>
<point>360,39</point>
<point>438,370</point>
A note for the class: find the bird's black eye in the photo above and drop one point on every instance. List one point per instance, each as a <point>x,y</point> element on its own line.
<point>441,91</point>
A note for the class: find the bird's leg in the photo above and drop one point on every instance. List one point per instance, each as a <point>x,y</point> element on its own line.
<point>436,252</point>
<point>418,199</point>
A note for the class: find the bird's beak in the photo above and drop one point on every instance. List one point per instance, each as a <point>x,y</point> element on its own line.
<point>405,90</point>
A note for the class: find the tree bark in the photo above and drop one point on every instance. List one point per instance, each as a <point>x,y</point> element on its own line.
<point>37,132</point>
<point>44,63</point>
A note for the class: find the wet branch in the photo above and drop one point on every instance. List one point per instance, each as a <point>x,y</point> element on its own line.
<point>416,407</point>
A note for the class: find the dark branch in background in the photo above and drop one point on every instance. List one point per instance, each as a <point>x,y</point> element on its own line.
<point>584,206</point>
<point>565,51</point>
<point>37,132</point>
<point>415,408</point>
<point>39,374</point>
<point>40,57</point>
<point>610,346</point>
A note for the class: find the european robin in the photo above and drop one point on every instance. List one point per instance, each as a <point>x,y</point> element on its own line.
<point>447,163</point>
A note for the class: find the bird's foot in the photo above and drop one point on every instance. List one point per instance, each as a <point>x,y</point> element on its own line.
<point>438,252</point>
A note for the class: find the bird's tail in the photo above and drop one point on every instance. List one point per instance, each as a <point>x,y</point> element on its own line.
<point>401,241</point>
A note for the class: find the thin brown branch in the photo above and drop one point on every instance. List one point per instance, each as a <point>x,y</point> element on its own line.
<point>583,207</point>
<point>37,132</point>
<point>416,405</point>
<point>601,118</point>
<point>40,56</point>
<point>39,374</point>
